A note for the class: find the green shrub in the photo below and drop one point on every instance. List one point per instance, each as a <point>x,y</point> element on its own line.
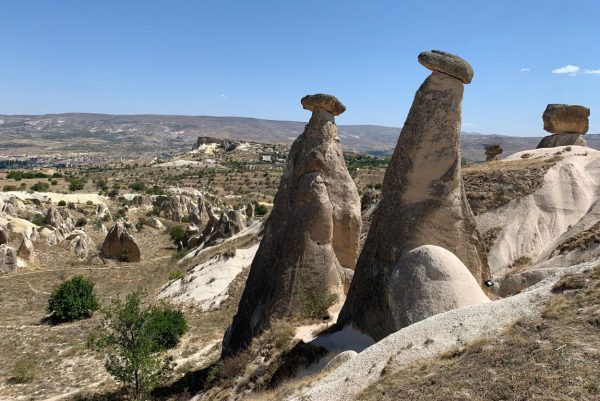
<point>259,209</point>
<point>39,220</point>
<point>54,182</point>
<point>24,371</point>
<point>317,303</point>
<point>62,203</point>
<point>176,275</point>
<point>155,190</point>
<point>8,188</point>
<point>76,184</point>
<point>82,221</point>
<point>74,299</point>
<point>40,186</point>
<point>137,186</point>
<point>177,233</point>
<point>165,325</point>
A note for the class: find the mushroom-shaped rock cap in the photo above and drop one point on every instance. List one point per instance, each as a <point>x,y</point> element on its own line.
<point>447,63</point>
<point>324,101</point>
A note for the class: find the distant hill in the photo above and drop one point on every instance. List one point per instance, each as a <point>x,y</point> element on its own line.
<point>127,135</point>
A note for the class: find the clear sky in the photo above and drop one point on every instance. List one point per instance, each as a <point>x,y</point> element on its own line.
<point>258,58</point>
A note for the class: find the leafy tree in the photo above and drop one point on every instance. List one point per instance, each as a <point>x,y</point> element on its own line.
<point>133,338</point>
<point>74,299</point>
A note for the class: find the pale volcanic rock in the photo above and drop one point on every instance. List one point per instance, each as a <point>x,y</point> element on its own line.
<point>311,236</point>
<point>447,63</point>
<point>429,280</point>
<point>26,250</point>
<point>8,259</point>
<point>423,203</point>
<point>566,119</point>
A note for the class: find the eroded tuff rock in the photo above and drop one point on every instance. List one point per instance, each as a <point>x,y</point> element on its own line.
<point>26,250</point>
<point>181,207</point>
<point>552,141</point>
<point>429,280</point>
<point>3,237</point>
<point>492,152</point>
<point>119,244</point>
<point>80,243</point>
<point>423,203</point>
<point>566,119</point>
<point>311,237</point>
<point>59,219</point>
<point>8,259</point>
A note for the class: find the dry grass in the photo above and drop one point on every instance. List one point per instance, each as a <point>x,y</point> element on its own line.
<point>494,184</point>
<point>555,357</point>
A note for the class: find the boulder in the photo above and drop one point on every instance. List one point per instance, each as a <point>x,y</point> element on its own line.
<point>81,243</point>
<point>182,207</point>
<point>552,141</point>
<point>249,210</point>
<point>320,100</point>
<point>447,63</point>
<point>59,219</point>
<point>492,152</point>
<point>423,203</point>
<point>564,118</point>
<point>26,250</point>
<point>429,280</point>
<point>119,244</point>
<point>102,212</point>
<point>155,223</point>
<point>3,237</point>
<point>311,236</point>
<point>24,227</point>
<point>8,259</point>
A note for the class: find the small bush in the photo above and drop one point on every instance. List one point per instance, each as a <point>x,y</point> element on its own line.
<point>283,332</point>
<point>176,275</point>
<point>76,184</point>
<point>8,188</point>
<point>165,325</point>
<point>74,299</point>
<point>62,203</point>
<point>24,371</point>
<point>317,303</point>
<point>39,220</point>
<point>137,186</point>
<point>40,187</point>
<point>177,233</point>
<point>82,221</point>
<point>259,209</point>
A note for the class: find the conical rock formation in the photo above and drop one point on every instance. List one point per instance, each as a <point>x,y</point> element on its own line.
<point>311,237</point>
<point>423,201</point>
<point>119,244</point>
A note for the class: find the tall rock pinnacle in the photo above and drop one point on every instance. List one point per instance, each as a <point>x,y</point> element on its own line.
<point>311,238</point>
<point>423,200</point>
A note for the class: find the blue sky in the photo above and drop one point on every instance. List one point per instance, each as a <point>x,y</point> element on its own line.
<point>258,58</point>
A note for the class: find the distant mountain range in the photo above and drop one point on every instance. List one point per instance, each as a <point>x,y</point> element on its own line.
<point>128,135</point>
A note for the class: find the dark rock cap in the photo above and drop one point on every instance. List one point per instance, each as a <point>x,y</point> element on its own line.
<point>447,63</point>
<point>324,101</point>
<point>565,118</point>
